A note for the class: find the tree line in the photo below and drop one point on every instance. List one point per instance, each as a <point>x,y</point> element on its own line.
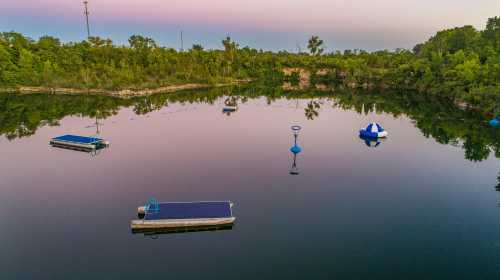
<point>461,64</point>
<point>98,63</point>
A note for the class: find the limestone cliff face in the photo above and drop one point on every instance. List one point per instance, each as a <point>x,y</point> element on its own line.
<point>341,76</point>
<point>304,75</point>
<point>304,78</point>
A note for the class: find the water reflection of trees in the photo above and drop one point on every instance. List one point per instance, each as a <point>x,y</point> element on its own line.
<point>497,187</point>
<point>21,115</point>
<point>436,118</point>
<point>312,109</point>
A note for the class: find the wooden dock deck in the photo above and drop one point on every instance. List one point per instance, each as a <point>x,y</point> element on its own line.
<point>162,231</point>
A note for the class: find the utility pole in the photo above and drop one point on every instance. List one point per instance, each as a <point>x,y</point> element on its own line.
<point>182,43</point>
<point>86,13</point>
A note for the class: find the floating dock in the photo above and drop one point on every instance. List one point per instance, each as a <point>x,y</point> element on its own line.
<point>184,216</point>
<point>78,143</point>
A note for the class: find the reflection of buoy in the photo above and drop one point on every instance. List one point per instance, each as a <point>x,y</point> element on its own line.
<point>294,170</point>
<point>373,130</point>
<point>295,149</point>
<point>372,142</point>
<point>495,122</point>
<point>296,129</point>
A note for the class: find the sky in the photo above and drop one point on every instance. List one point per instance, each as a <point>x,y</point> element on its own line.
<point>262,24</point>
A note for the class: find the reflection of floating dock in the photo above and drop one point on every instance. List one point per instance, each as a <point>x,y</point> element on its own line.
<point>154,232</point>
<point>78,143</point>
<point>184,216</point>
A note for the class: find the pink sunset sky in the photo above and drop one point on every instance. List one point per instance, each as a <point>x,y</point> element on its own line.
<point>267,24</point>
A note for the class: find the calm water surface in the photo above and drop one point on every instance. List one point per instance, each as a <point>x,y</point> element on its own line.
<point>421,205</point>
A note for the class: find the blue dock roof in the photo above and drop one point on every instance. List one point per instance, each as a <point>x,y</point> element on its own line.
<point>191,210</point>
<point>78,139</point>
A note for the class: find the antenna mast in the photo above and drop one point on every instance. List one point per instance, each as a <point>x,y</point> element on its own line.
<point>182,42</point>
<point>86,13</point>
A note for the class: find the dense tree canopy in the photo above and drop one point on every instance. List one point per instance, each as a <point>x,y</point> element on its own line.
<point>460,64</point>
<point>98,63</point>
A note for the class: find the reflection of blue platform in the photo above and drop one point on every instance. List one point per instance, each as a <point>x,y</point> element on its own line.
<point>191,210</point>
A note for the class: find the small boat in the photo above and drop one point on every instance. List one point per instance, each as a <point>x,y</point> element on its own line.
<point>79,143</point>
<point>183,216</point>
<point>229,109</point>
<point>373,130</point>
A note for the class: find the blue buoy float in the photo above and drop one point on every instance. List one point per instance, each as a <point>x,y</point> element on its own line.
<point>373,130</point>
<point>494,122</point>
<point>295,149</point>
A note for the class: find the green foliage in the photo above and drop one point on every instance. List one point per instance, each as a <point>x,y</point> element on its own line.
<point>138,42</point>
<point>434,116</point>
<point>314,45</point>
<point>197,47</point>
<point>492,31</point>
<point>98,63</point>
<point>460,64</point>
<point>8,69</point>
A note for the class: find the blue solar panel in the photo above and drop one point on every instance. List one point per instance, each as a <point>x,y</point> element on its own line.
<point>191,210</point>
<point>78,139</point>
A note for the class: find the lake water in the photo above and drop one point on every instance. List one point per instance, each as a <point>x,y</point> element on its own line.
<point>420,205</point>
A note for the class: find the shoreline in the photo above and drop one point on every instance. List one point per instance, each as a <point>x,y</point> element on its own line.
<point>118,93</point>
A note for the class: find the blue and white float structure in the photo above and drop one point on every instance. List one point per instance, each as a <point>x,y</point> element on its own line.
<point>373,130</point>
